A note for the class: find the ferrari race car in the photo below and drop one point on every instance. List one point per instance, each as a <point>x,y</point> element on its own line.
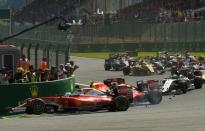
<point>147,90</point>
<point>88,99</point>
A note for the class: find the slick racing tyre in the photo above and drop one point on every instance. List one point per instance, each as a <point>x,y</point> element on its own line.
<point>37,106</point>
<point>29,110</point>
<point>126,71</point>
<point>198,83</point>
<point>120,103</point>
<point>154,97</point>
<point>183,86</point>
<point>107,67</point>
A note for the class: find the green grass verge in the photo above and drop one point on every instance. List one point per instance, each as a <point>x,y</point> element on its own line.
<point>198,54</point>
<point>103,55</point>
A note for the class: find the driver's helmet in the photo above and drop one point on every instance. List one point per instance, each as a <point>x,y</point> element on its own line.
<point>175,76</point>
<point>99,86</point>
<point>79,91</point>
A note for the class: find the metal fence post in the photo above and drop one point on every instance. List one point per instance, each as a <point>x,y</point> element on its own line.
<point>150,31</point>
<point>165,33</point>
<point>202,29</point>
<point>194,35</point>
<point>155,32</point>
<point>57,51</point>
<point>48,54</point>
<point>36,56</point>
<point>185,32</point>
<point>29,51</point>
<point>178,33</point>
<point>22,48</point>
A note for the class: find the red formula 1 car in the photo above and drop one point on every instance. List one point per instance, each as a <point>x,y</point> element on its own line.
<point>146,90</point>
<point>88,99</point>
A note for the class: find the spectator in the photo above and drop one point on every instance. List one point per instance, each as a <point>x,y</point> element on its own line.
<point>19,75</point>
<point>31,75</point>
<point>10,76</point>
<point>62,72</point>
<point>45,75</point>
<point>23,63</point>
<point>53,74</point>
<point>43,64</point>
<point>73,67</point>
<point>68,68</point>
<point>3,76</point>
<point>38,74</point>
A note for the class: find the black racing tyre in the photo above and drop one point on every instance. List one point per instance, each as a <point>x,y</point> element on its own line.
<point>107,67</point>
<point>120,103</point>
<point>198,83</point>
<point>126,71</point>
<point>183,86</point>
<point>38,106</point>
<point>55,108</point>
<point>117,68</point>
<point>154,97</point>
<point>29,110</point>
<point>184,89</point>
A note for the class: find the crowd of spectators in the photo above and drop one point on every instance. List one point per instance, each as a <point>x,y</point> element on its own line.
<point>38,10</point>
<point>26,73</point>
<point>179,11</point>
<point>160,11</point>
<point>166,11</point>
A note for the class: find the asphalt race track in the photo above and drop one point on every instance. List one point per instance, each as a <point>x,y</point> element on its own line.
<point>175,113</point>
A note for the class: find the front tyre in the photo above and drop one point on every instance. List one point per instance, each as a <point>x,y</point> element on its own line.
<point>120,103</point>
<point>107,67</point>
<point>126,71</point>
<point>37,106</point>
<point>198,83</point>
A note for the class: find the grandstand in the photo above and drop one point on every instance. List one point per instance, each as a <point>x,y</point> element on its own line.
<point>124,10</point>
<point>149,25</point>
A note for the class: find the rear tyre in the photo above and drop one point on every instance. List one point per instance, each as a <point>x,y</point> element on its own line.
<point>126,71</point>
<point>120,103</point>
<point>29,110</point>
<point>38,106</point>
<point>117,68</point>
<point>198,83</point>
<point>154,97</point>
<point>183,86</point>
<point>107,67</point>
